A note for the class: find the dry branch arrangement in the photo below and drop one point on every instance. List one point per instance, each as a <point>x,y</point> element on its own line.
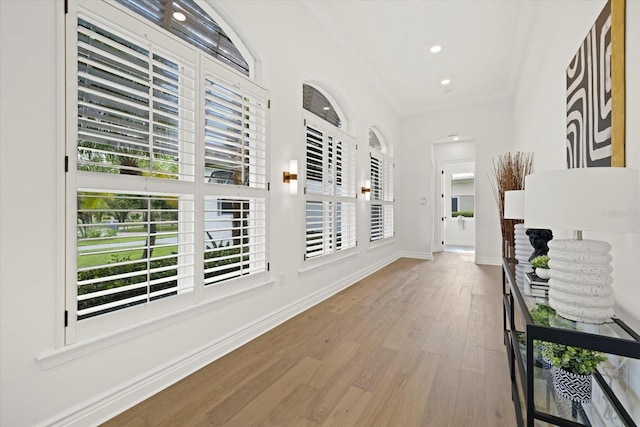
<point>509,171</point>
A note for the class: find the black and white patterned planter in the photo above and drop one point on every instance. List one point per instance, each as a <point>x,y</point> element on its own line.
<point>572,386</point>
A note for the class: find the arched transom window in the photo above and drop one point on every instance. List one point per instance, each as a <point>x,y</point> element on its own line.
<point>317,103</point>
<point>185,19</point>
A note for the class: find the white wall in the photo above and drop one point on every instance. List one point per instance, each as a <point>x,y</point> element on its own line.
<point>490,126</point>
<point>93,381</point>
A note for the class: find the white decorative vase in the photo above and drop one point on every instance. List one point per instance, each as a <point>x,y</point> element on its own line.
<point>523,250</point>
<point>542,273</point>
<point>572,386</point>
<point>580,284</point>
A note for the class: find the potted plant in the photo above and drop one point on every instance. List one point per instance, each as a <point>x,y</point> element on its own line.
<point>572,369</point>
<point>541,315</point>
<point>541,264</point>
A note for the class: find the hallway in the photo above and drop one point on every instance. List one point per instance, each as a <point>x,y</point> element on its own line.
<point>418,343</point>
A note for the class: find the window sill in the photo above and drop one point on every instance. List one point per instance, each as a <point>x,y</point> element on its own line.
<point>379,244</point>
<point>316,264</point>
<point>60,356</point>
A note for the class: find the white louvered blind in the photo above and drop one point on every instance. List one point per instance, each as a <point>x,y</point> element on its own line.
<point>315,160</point>
<point>132,249</point>
<point>235,134</point>
<point>136,108</point>
<point>235,238</point>
<point>319,228</point>
<point>345,225</point>
<point>382,198</point>
<point>330,188</point>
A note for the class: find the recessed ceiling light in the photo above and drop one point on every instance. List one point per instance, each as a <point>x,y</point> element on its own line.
<point>326,108</point>
<point>435,49</point>
<point>179,16</point>
<point>455,138</point>
<point>445,82</point>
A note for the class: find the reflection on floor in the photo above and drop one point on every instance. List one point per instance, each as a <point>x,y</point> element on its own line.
<point>460,249</point>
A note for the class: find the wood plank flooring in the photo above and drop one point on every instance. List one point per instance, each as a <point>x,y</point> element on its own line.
<point>418,343</point>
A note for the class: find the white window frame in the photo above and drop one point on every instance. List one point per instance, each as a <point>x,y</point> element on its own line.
<point>194,295</point>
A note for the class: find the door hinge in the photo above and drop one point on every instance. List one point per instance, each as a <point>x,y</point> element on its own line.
<point>66,6</point>
<point>443,242</point>
<point>269,104</point>
<point>66,318</point>
<point>268,186</point>
<point>268,266</point>
<point>442,171</point>
<point>66,163</point>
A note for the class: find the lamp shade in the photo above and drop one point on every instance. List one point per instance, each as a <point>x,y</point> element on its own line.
<point>594,199</point>
<point>514,204</point>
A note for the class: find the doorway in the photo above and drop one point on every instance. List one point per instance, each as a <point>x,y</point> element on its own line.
<point>454,194</point>
<point>457,207</point>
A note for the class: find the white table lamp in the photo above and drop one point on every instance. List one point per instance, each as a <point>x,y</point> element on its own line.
<point>514,209</point>
<point>586,199</point>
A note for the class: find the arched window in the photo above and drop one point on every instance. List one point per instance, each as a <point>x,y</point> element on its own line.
<point>161,132</point>
<point>185,19</point>
<point>330,185</point>
<point>317,103</point>
<point>374,141</point>
<point>382,198</point>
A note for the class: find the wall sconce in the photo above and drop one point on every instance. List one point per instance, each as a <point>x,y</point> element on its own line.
<point>366,190</point>
<point>291,177</point>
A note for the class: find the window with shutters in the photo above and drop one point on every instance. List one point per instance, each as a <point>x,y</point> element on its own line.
<point>330,187</point>
<point>382,198</point>
<point>169,180</point>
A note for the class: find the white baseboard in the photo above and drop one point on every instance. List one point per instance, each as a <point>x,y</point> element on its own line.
<point>417,255</point>
<point>488,261</point>
<point>107,405</point>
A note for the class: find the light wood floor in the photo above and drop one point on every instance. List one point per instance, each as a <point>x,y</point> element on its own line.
<point>419,343</point>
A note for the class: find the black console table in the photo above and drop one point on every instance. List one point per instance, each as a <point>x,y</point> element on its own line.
<point>613,402</point>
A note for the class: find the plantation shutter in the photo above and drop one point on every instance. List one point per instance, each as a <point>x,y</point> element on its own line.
<point>315,160</point>
<point>345,225</point>
<point>235,238</point>
<point>389,198</point>
<point>136,114</point>
<point>235,176</point>
<point>376,178</point>
<point>150,258</point>
<point>135,130</point>
<point>382,198</point>
<point>235,132</point>
<point>330,183</point>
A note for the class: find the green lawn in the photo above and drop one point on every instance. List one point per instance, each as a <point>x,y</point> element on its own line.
<point>134,254</point>
<point>109,240</point>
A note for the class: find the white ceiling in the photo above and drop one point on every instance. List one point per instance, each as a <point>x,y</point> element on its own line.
<point>482,43</point>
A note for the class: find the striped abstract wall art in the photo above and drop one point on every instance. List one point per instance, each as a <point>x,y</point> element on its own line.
<point>595,93</point>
